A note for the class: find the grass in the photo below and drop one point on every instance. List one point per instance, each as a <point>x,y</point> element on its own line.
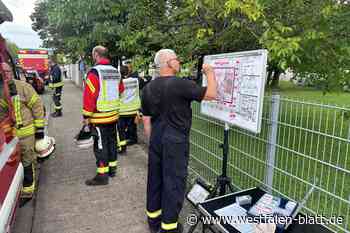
<point>289,89</point>
<point>311,143</point>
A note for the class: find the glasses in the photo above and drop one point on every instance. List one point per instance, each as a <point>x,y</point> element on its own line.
<point>172,59</point>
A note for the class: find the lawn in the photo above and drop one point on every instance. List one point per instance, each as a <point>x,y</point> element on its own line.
<point>289,89</point>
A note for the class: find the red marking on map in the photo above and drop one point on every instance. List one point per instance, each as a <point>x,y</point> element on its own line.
<point>222,62</point>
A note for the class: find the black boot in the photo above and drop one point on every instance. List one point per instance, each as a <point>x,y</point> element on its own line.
<point>122,151</point>
<point>99,179</point>
<point>57,114</point>
<point>28,182</point>
<point>112,171</point>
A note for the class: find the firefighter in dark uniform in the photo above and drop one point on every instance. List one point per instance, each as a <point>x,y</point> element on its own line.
<point>101,104</point>
<point>166,108</point>
<point>129,110</point>
<point>56,83</point>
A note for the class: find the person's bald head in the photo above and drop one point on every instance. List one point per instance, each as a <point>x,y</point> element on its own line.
<point>166,62</point>
<point>99,52</point>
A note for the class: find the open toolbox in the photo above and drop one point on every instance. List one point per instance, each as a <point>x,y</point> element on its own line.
<point>252,208</point>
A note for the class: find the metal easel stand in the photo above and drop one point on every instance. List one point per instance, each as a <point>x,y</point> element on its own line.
<point>223,181</point>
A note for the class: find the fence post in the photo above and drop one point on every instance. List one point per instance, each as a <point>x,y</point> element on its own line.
<point>272,140</point>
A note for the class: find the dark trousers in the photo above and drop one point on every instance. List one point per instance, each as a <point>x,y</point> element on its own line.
<point>57,99</point>
<point>105,146</point>
<point>167,173</point>
<point>127,128</point>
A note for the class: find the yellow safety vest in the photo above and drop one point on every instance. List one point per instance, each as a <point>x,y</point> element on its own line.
<point>130,98</point>
<point>109,79</point>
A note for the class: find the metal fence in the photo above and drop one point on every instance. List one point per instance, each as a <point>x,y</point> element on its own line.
<point>301,145</point>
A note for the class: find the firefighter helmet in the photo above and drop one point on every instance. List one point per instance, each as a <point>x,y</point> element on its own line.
<point>45,147</point>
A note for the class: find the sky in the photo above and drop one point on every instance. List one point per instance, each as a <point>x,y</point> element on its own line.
<point>20,30</point>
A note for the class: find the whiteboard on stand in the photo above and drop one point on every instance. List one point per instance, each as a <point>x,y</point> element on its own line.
<point>241,81</point>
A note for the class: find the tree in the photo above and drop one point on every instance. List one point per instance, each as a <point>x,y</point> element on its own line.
<point>13,48</point>
<point>307,41</point>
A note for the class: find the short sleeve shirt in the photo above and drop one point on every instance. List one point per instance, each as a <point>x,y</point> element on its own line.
<point>169,98</point>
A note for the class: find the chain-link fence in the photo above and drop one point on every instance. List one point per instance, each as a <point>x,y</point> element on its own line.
<point>301,145</point>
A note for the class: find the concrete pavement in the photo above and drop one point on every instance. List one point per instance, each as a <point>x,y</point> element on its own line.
<point>64,204</point>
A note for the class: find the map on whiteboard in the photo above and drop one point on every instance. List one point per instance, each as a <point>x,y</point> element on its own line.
<point>241,82</point>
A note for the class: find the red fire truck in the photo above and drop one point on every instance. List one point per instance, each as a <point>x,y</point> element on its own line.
<point>35,63</point>
<point>11,169</point>
<point>34,59</point>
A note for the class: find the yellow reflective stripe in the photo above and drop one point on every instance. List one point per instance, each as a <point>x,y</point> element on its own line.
<point>87,113</point>
<point>123,143</point>
<point>104,114</point>
<point>104,90</point>
<point>33,100</point>
<point>102,170</point>
<point>113,164</point>
<point>17,106</point>
<point>58,107</point>
<point>54,85</point>
<point>103,120</point>
<point>154,214</point>
<point>169,226</point>
<point>39,123</point>
<point>25,131</point>
<point>127,113</point>
<point>3,103</point>
<point>90,85</point>
<point>28,190</point>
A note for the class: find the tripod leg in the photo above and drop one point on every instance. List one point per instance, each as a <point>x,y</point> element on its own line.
<point>231,187</point>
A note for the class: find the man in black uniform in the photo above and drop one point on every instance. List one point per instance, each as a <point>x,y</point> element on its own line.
<point>166,106</point>
<point>56,83</point>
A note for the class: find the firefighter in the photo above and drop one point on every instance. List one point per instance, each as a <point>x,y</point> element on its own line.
<point>129,111</point>
<point>56,83</point>
<point>100,111</point>
<point>30,123</point>
<point>166,106</point>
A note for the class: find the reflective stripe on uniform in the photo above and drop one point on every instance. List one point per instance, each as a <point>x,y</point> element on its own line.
<point>25,131</point>
<point>39,123</point>
<point>104,114</point>
<point>32,100</point>
<point>154,214</point>
<point>87,113</point>
<point>128,113</point>
<point>122,143</point>
<point>90,86</point>
<point>99,141</point>
<point>17,106</point>
<point>3,103</point>
<point>102,170</point>
<point>58,107</point>
<point>169,226</point>
<point>54,85</point>
<point>104,120</point>
<point>113,163</point>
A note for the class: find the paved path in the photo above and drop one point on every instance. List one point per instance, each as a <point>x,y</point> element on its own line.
<point>64,204</point>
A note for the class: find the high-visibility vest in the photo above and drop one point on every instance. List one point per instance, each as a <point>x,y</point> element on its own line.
<point>130,99</point>
<point>109,79</point>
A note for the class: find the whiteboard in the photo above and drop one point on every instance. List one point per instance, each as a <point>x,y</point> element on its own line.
<point>241,81</point>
